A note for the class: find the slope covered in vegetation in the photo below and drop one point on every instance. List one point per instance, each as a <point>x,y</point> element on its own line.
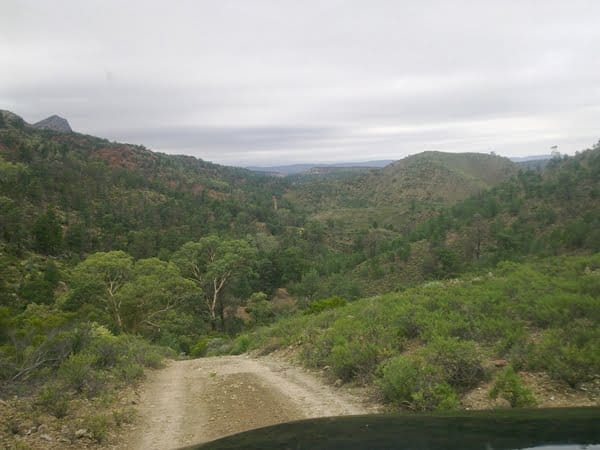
<point>534,212</point>
<point>429,346</point>
<point>107,196</point>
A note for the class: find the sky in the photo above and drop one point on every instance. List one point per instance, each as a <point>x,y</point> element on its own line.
<point>265,82</point>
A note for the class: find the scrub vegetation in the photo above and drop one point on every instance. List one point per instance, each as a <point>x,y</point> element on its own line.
<point>413,278</point>
<point>426,346</point>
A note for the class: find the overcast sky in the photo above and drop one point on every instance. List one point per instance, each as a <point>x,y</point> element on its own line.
<point>269,82</point>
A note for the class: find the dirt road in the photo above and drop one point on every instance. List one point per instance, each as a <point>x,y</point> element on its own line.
<point>199,400</point>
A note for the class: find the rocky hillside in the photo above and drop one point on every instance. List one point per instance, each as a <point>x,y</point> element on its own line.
<point>54,123</point>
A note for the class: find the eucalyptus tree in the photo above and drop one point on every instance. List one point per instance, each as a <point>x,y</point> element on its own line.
<point>212,263</point>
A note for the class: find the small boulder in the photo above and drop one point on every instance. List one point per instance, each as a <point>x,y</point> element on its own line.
<point>500,363</point>
<point>81,433</point>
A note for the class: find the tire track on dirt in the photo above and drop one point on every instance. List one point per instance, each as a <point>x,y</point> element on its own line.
<point>199,400</point>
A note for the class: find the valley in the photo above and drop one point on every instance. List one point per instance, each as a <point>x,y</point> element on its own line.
<point>440,281</point>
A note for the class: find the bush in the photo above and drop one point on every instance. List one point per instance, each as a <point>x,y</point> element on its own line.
<point>260,309</point>
<point>107,352</point>
<point>131,372</point>
<point>76,371</point>
<point>152,359</point>
<point>54,400</point>
<point>324,304</point>
<point>412,382</point>
<point>439,397</point>
<point>459,361</point>
<point>509,387</point>
<point>199,349</point>
<point>569,355</point>
<point>353,359</point>
<point>98,426</point>
<point>218,346</point>
<point>240,345</point>
<point>96,383</point>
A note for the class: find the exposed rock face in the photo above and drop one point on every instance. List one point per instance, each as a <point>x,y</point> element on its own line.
<point>55,123</point>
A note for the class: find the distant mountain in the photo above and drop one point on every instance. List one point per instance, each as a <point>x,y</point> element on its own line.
<point>534,162</point>
<point>294,169</point>
<point>520,159</point>
<point>54,123</point>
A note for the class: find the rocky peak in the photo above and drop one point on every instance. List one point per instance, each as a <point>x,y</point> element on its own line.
<point>55,123</point>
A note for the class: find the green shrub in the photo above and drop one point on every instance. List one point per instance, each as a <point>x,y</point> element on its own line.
<point>54,400</point>
<point>260,309</point>
<point>508,386</point>
<point>106,348</point>
<point>199,349</point>
<point>96,383</point>
<point>353,359</point>
<point>218,346</point>
<point>107,353</point>
<point>131,372</point>
<point>77,370</point>
<point>324,304</point>
<point>459,361</point>
<point>241,344</point>
<point>569,355</point>
<point>98,426</point>
<point>439,397</point>
<point>410,381</point>
<point>152,359</point>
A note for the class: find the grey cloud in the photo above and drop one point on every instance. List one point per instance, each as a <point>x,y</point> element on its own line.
<point>244,139</point>
<point>238,81</point>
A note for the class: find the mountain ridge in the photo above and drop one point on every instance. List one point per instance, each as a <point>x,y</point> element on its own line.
<point>52,123</point>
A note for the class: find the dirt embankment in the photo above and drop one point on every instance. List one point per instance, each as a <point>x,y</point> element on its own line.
<point>200,400</point>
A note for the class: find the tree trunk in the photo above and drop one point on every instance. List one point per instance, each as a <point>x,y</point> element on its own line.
<point>222,315</point>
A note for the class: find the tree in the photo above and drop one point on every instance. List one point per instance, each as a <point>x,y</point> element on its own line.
<point>474,238</point>
<point>47,233</point>
<point>155,288</point>
<point>211,263</point>
<point>98,280</point>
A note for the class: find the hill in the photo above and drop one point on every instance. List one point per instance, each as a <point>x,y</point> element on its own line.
<point>440,177</point>
<point>107,195</point>
<point>430,177</point>
<point>550,212</point>
<point>394,200</point>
